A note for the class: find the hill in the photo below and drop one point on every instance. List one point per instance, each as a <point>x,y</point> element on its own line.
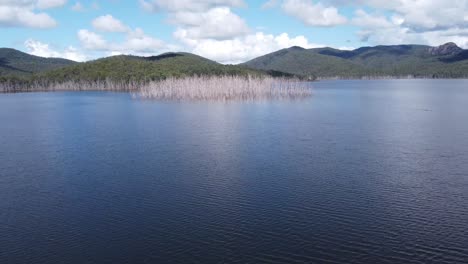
<point>446,61</point>
<point>17,63</point>
<point>134,68</point>
<point>124,73</point>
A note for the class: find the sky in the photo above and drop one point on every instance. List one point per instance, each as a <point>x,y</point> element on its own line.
<point>227,31</point>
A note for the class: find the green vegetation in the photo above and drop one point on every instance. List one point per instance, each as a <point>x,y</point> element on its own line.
<point>132,68</point>
<point>124,71</point>
<point>446,61</point>
<point>14,63</point>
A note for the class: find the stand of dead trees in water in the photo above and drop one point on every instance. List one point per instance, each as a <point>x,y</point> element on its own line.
<point>222,88</point>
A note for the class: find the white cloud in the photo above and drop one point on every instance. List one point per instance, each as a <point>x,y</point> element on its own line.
<point>209,28</point>
<point>45,4</point>
<point>202,19</point>
<point>24,13</point>
<point>38,48</point>
<point>405,21</point>
<point>422,21</point>
<point>108,23</point>
<point>187,5</point>
<point>419,14</point>
<point>391,22</point>
<point>91,40</point>
<point>313,14</point>
<point>22,17</point>
<point>136,41</point>
<point>432,14</point>
<point>217,23</point>
<point>363,19</point>
<point>243,48</point>
<point>431,22</point>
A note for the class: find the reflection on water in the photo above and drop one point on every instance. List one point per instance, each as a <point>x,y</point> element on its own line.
<point>363,172</point>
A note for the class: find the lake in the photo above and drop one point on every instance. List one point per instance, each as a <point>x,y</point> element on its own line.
<point>361,172</point>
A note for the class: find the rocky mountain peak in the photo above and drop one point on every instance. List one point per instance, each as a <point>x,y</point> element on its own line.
<point>446,49</point>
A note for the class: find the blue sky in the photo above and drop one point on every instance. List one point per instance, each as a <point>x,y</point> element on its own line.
<point>228,31</point>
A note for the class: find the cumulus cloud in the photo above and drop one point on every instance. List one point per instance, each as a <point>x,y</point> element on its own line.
<point>387,22</point>
<point>136,41</point>
<point>188,5</point>
<point>313,14</point>
<point>364,19</point>
<point>433,14</point>
<point>243,48</point>
<point>423,22</point>
<point>108,23</point>
<point>211,29</point>
<point>201,19</point>
<point>409,21</point>
<point>139,43</point>
<point>25,13</point>
<point>45,4</point>
<point>91,40</point>
<point>18,17</point>
<point>216,23</point>
<point>425,15</point>
<point>38,48</point>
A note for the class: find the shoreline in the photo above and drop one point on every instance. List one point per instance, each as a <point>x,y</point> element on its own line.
<point>135,87</point>
<point>199,88</point>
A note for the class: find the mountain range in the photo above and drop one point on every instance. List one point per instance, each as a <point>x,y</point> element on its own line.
<point>445,61</point>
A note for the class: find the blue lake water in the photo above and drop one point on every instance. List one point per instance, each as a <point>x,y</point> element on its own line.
<point>361,172</point>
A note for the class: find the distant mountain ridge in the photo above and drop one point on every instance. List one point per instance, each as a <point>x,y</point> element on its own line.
<point>445,50</point>
<point>128,68</point>
<point>445,61</point>
<point>15,62</point>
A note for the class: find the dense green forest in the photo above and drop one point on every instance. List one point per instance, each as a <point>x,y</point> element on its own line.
<point>121,72</point>
<point>132,68</point>
<point>20,64</point>
<point>128,68</point>
<point>446,61</point>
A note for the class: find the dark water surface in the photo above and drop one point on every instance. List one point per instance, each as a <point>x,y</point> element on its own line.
<point>362,172</point>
